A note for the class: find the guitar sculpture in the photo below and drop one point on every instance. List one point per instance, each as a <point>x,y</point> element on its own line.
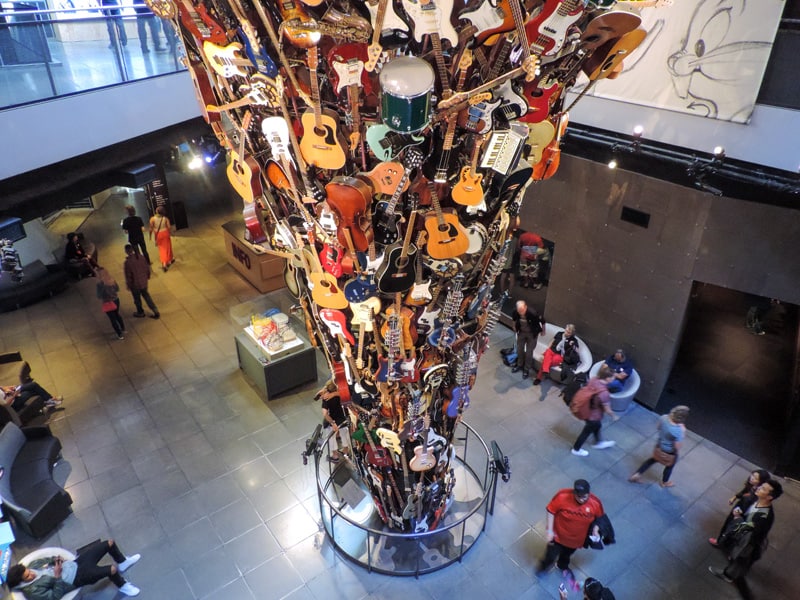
<point>393,241</point>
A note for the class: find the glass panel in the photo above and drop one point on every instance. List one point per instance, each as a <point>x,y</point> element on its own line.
<point>49,53</point>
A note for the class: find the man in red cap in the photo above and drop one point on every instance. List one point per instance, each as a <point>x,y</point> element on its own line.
<point>569,515</point>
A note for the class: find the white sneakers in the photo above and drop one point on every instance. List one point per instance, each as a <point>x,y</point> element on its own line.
<point>599,446</point>
<point>129,589</point>
<point>603,445</point>
<point>129,562</point>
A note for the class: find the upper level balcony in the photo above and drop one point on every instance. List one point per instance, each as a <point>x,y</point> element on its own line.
<point>55,48</point>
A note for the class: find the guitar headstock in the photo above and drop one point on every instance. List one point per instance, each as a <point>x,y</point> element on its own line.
<point>466,60</point>
<point>313,58</point>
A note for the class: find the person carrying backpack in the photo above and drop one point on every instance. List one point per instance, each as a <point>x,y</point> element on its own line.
<point>589,404</point>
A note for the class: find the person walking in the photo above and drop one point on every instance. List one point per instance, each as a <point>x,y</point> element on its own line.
<point>671,432</point>
<point>527,325</point>
<point>137,274</point>
<point>53,577</point>
<point>160,228</point>
<point>750,538</point>
<point>108,293</point>
<point>570,514</point>
<point>599,402</point>
<point>134,227</point>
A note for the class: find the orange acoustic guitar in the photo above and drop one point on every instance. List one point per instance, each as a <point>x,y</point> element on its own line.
<point>446,236</point>
<point>468,191</point>
<point>320,145</point>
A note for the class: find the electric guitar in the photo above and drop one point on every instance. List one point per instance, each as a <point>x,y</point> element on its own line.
<point>336,323</point>
<point>253,47</point>
<point>200,24</point>
<point>547,31</point>
<point>386,218</point>
<point>424,458</point>
<point>386,144</point>
<point>539,137</point>
<point>320,145</point>
<point>421,290</point>
<point>431,17</point>
<point>389,30</point>
<point>227,61</point>
<point>444,335</point>
<point>324,288</point>
<point>490,19</point>
<point>347,62</point>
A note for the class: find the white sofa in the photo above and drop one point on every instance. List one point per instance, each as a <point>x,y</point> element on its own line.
<point>620,401</point>
<point>543,343</point>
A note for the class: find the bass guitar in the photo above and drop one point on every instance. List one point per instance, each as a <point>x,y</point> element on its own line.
<point>389,30</point>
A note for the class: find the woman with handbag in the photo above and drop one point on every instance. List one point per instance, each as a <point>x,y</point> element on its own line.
<point>108,293</point>
<point>671,431</point>
<point>160,227</point>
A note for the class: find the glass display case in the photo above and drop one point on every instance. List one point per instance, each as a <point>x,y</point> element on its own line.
<point>272,346</point>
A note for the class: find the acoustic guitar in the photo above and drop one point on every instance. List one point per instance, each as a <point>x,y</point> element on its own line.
<point>446,236</point>
<point>468,191</point>
<point>399,269</point>
<point>320,144</point>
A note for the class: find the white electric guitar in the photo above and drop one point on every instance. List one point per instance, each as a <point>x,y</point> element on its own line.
<point>430,17</point>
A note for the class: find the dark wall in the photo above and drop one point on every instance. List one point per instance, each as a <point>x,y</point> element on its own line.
<point>622,284</point>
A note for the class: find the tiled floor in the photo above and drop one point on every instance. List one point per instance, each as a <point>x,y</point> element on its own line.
<point>168,449</point>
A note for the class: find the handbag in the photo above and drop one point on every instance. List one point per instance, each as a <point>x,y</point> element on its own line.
<point>665,458</point>
<point>109,305</point>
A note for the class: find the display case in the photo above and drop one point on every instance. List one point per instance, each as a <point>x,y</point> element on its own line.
<point>273,367</point>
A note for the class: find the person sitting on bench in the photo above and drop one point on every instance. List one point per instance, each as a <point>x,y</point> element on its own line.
<point>18,396</point>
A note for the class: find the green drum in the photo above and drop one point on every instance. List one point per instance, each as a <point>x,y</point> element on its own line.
<point>406,87</point>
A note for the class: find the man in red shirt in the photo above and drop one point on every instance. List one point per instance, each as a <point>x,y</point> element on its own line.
<point>569,515</point>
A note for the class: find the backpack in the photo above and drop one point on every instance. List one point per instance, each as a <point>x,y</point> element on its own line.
<point>571,388</point>
<point>510,357</point>
<point>582,403</point>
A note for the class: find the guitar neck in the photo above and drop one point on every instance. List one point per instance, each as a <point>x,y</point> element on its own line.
<point>407,240</point>
<point>315,101</point>
<point>438,55</point>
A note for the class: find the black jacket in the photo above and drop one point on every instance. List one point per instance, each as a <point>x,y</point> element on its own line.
<point>570,353</point>
<point>607,535</point>
<point>535,321</point>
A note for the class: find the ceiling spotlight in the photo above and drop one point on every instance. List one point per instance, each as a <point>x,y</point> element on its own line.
<point>719,152</point>
<point>612,164</point>
<point>638,131</point>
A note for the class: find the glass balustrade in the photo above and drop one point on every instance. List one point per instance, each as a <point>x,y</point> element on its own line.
<point>52,48</point>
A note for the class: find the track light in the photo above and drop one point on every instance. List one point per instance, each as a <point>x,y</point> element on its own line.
<point>638,131</point>
<point>612,164</point>
<point>719,152</point>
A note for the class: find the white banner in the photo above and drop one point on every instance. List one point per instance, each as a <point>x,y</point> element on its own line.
<point>703,57</point>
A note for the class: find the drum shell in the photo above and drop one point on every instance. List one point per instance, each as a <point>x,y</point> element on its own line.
<point>406,88</point>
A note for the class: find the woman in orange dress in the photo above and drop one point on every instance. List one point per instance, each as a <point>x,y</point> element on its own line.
<point>160,227</point>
